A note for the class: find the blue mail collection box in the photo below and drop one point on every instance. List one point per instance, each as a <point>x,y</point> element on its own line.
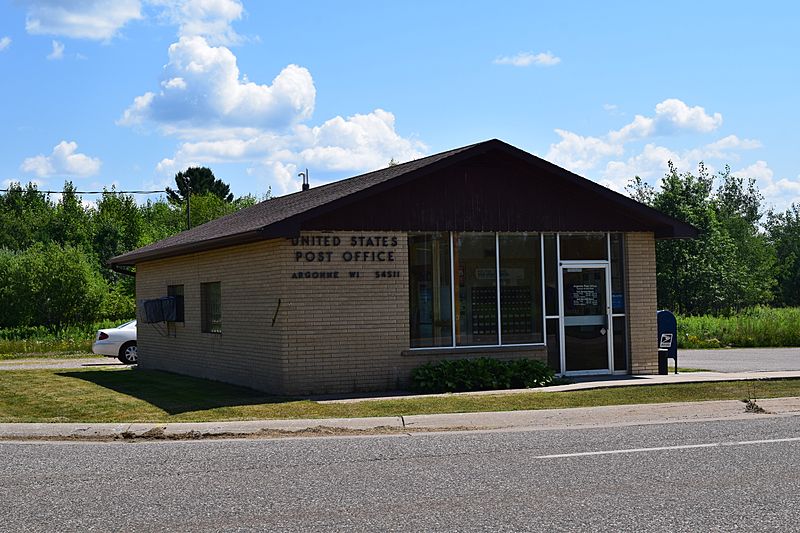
<point>667,340</point>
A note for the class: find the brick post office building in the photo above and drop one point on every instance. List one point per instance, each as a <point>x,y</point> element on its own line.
<point>484,250</point>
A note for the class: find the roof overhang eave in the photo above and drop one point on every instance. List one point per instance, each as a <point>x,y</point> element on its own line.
<point>135,257</point>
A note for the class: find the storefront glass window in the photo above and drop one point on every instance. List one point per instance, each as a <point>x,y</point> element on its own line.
<point>520,288</point>
<point>617,275</point>
<point>475,267</point>
<point>583,246</point>
<point>430,292</point>
<point>551,275</point>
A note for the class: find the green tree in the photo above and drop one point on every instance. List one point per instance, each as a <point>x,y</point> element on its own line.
<point>729,265</point>
<point>118,227</point>
<point>7,311</point>
<point>198,180</point>
<point>207,207</point>
<point>739,209</point>
<point>25,217</point>
<point>783,230</point>
<point>162,219</point>
<point>71,221</point>
<point>53,256</point>
<point>51,285</point>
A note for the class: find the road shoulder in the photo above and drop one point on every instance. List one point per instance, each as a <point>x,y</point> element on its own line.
<point>546,419</point>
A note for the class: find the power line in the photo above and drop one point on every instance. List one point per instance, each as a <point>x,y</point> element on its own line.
<point>88,192</point>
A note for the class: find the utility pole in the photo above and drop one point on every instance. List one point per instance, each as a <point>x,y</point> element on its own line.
<point>188,183</point>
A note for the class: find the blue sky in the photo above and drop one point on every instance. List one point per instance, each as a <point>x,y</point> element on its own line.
<point>129,92</point>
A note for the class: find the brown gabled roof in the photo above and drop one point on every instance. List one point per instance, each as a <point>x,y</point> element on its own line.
<point>283,215</point>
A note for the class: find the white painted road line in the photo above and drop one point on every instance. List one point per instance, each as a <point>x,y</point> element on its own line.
<point>667,448</point>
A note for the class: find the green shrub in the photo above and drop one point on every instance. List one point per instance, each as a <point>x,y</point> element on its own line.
<point>49,284</point>
<point>459,375</point>
<point>118,304</point>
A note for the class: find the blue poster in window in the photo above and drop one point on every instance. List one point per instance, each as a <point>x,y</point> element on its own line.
<point>617,301</point>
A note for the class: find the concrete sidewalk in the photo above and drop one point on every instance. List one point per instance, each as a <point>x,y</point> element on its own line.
<point>585,417</point>
<point>588,383</point>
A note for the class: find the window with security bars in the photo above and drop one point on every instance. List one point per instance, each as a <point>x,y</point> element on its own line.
<point>211,307</point>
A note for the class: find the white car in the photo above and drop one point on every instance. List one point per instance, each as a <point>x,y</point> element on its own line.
<point>119,342</point>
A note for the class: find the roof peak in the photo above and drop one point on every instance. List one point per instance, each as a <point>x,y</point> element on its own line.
<point>284,215</point>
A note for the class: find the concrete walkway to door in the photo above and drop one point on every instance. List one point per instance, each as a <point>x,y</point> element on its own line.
<point>741,359</point>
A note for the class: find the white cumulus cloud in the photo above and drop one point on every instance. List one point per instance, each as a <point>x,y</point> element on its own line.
<point>580,153</point>
<point>526,59</point>
<point>651,162</point>
<point>779,193</point>
<point>5,42</point>
<point>58,51</point>
<point>221,116</point>
<point>358,143</point>
<point>63,161</point>
<point>677,113</point>
<point>98,20</point>
<point>202,88</point>
<point>210,19</point>
<point>671,115</point>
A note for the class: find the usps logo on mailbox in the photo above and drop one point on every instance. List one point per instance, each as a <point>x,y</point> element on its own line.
<point>666,340</point>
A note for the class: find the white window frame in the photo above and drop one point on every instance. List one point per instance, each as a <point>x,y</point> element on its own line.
<point>545,317</point>
<point>453,345</point>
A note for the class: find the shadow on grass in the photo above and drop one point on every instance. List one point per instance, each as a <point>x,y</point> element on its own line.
<point>174,393</point>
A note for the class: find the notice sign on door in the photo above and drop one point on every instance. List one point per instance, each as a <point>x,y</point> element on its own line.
<point>585,295</point>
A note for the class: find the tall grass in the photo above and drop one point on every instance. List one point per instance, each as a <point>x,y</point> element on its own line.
<point>756,327</point>
<point>43,339</point>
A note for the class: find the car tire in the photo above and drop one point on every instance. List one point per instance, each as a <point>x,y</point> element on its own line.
<point>128,354</point>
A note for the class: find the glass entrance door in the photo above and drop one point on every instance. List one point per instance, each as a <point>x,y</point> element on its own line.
<point>586,346</point>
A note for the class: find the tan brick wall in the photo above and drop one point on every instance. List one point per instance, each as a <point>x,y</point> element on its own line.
<point>346,333</point>
<point>250,351</point>
<point>640,261</point>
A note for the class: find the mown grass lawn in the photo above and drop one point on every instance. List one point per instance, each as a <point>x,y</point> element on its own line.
<point>133,395</point>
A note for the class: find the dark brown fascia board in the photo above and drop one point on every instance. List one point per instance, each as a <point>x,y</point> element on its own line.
<point>295,221</point>
<point>674,227</point>
<point>132,258</point>
<point>647,213</point>
<point>680,229</point>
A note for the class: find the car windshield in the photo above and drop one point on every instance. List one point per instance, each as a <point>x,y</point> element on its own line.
<point>126,324</point>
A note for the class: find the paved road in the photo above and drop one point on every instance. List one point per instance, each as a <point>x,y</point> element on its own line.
<point>741,359</point>
<point>42,362</point>
<point>568,480</point>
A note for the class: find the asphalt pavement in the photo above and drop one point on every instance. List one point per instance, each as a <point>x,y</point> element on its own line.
<point>695,476</point>
<point>741,359</point>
